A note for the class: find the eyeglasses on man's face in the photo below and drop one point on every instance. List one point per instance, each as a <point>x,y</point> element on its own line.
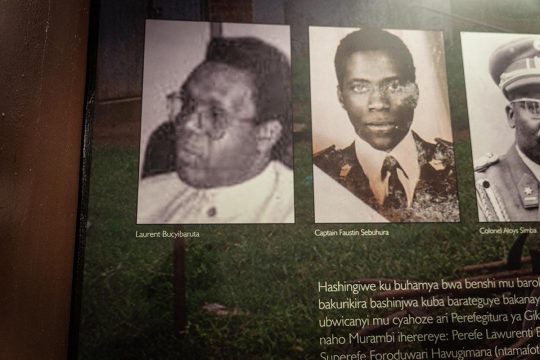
<point>531,105</point>
<point>212,120</point>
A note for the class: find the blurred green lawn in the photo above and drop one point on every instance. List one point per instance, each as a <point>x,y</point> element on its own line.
<point>265,275</point>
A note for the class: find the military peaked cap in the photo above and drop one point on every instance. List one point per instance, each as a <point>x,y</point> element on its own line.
<point>516,64</point>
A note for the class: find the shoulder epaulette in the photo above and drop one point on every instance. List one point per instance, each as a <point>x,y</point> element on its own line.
<point>335,162</point>
<point>490,201</point>
<point>326,151</point>
<point>481,164</point>
<point>445,143</point>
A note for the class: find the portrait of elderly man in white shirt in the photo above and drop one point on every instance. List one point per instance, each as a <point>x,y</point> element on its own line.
<point>395,174</point>
<point>229,145</point>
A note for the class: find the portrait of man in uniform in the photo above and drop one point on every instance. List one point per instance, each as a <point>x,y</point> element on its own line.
<point>223,153</point>
<point>389,170</point>
<point>507,161</point>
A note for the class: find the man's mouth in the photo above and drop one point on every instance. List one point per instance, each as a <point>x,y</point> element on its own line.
<point>381,127</point>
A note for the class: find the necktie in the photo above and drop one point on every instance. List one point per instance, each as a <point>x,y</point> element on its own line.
<point>396,197</point>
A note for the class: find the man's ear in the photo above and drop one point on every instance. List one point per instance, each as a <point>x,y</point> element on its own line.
<point>268,134</point>
<point>340,95</point>
<point>510,116</point>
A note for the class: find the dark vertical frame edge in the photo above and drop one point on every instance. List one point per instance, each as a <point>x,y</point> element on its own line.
<point>84,179</point>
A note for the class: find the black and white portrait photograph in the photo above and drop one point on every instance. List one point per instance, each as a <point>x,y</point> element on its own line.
<point>382,136</point>
<point>216,127</point>
<point>502,78</point>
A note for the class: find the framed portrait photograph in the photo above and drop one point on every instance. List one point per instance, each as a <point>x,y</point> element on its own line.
<point>381,126</point>
<point>502,73</point>
<point>216,124</point>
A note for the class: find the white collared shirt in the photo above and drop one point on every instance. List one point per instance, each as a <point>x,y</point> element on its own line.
<point>372,161</point>
<point>266,198</point>
<point>534,167</point>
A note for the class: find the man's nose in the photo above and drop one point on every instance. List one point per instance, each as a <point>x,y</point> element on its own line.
<point>378,100</point>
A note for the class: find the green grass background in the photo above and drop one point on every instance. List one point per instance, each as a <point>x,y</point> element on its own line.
<point>266,276</point>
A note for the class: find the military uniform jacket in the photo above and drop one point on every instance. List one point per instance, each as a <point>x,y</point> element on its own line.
<point>435,196</point>
<point>506,189</point>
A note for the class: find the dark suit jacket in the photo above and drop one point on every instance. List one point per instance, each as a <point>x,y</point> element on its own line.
<point>435,196</point>
<point>506,189</point>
